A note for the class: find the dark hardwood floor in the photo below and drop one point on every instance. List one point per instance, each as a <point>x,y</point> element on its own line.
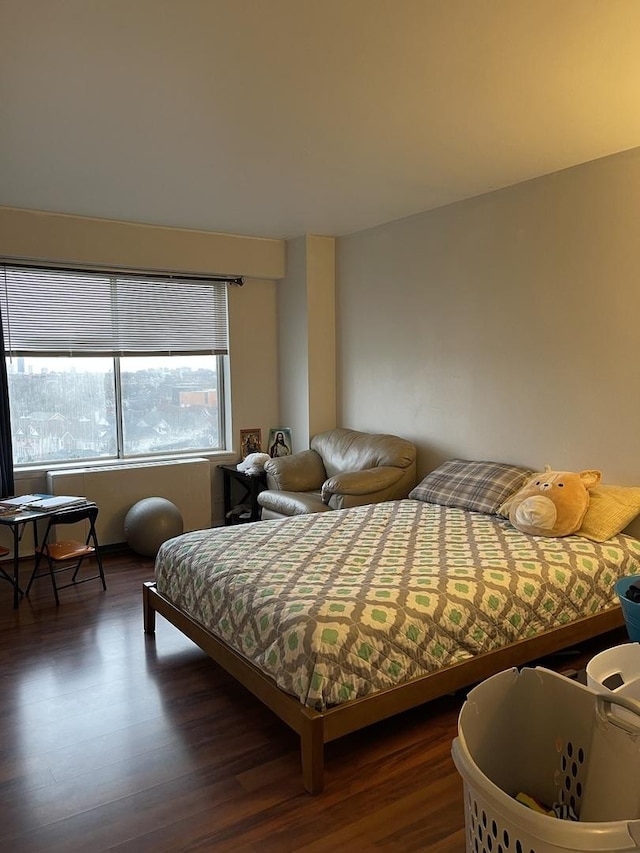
<point>113,741</point>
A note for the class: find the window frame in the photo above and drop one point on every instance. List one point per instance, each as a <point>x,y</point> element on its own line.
<point>120,456</point>
<point>220,355</point>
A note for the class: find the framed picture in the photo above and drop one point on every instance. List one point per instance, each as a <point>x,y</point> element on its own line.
<point>279,442</point>
<point>250,442</point>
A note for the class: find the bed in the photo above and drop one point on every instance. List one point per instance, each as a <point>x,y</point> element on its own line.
<point>340,619</point>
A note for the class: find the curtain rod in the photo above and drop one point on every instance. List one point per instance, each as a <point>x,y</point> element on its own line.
<point>228,279</point>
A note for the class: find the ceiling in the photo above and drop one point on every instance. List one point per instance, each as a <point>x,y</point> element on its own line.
<point>277,118</point>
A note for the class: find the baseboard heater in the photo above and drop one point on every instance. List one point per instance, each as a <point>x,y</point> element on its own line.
<point>115,488</point>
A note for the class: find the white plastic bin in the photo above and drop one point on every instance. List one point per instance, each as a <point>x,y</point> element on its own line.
<point>617,670</point>
<point>547,736</point>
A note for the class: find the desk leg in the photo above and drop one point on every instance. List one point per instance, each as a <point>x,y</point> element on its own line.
<point>17,592</point>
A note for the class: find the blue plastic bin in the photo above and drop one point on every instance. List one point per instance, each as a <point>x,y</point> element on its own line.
<point>630,609</point>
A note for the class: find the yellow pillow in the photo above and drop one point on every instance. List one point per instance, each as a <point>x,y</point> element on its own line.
<point>611,509</point>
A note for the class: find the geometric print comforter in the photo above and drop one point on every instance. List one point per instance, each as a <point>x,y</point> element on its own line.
<point>337,605</point>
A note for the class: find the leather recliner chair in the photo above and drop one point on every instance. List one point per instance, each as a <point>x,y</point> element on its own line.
<point>342,468</point>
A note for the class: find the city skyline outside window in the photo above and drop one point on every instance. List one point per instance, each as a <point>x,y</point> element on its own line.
<point>65,409</point>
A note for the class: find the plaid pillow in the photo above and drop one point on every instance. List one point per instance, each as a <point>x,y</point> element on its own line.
<point>478,486</point>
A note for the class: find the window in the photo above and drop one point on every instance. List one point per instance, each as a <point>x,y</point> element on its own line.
<point>105,366</point>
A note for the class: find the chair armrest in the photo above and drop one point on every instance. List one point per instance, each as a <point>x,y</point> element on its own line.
<point>365,482</point>
<point>300,472</point>
<point>284,504</point>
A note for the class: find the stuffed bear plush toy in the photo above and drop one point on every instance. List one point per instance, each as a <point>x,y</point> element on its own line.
<point>553,503</point>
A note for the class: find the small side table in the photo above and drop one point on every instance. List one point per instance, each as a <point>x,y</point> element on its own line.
<point>252,485</point>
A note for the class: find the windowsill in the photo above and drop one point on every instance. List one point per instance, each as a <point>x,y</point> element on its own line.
<point>219,457</point>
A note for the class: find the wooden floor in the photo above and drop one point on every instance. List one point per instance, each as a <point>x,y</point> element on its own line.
<point>113,741</point>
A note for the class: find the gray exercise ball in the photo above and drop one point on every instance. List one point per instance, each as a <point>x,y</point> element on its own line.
<point>149,523</point>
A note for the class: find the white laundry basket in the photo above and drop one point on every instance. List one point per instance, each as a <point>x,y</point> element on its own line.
<point>547,736</point>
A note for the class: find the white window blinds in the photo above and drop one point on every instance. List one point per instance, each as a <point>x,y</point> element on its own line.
<point>60,312</point>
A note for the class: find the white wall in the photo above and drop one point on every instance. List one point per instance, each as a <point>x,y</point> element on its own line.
<point>253,359</point>
<point>292,345</point>
<point>307,341</point>
<point>321,324</point>
<point>504,327</point>
<point>77,240</point>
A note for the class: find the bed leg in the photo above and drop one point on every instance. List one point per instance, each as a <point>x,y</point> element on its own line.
<point>149,614</point>
<point>312,749</point>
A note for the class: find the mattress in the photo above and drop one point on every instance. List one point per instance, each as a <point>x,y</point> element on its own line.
<point>334,606</point>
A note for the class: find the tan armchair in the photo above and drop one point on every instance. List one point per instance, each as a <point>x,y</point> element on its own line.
<point>343,468</point>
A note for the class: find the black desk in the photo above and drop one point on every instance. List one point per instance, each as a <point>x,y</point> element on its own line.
<point>235,510</point>
<point>17,521</point>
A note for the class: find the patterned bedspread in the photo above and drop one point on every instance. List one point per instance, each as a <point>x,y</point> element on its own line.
<point>341,604</point>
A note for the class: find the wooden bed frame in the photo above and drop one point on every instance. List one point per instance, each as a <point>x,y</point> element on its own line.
<point>319,727</point>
